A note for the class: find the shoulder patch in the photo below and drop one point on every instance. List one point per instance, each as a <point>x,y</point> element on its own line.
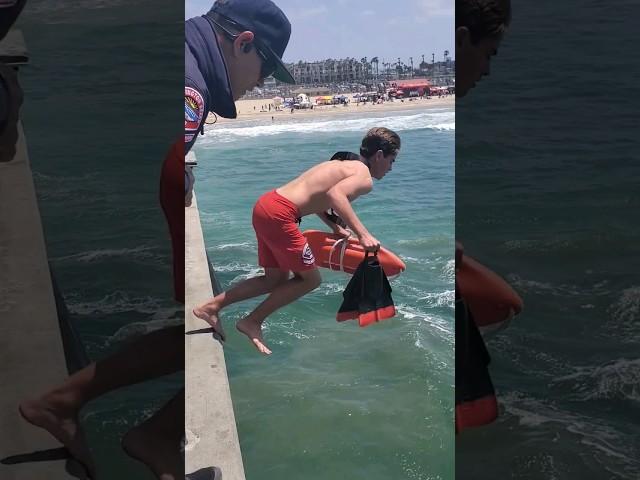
<point>193,109</point>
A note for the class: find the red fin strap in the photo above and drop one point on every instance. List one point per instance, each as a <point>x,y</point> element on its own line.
<point>366,319</point>
<point>476,413</point>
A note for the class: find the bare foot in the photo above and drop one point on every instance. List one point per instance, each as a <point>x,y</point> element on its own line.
<point>63,427</point>
<point>254,332</point>
<point>159,453</point>
<point>211,317</point>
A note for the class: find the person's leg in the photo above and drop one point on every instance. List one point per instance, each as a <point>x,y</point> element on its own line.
<point>252,287</point>
<point>156,441</point>
<point>57,410</point>
<point>302,283</point>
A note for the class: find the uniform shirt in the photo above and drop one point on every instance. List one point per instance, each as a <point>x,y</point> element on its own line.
<point>206,81</point>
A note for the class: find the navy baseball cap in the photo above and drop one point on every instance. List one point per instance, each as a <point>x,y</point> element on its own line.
<point>267,22</point>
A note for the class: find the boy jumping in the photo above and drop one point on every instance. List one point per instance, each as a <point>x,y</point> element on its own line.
<point>281,246</point>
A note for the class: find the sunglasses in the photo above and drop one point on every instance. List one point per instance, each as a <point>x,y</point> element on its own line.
<point>269,65</point>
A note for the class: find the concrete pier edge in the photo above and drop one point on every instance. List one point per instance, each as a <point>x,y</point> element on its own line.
<point>210,427</point>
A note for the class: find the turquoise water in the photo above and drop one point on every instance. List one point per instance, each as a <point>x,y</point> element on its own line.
<point>335,400</point>
<point>547,195</point>
<point>99,118</point>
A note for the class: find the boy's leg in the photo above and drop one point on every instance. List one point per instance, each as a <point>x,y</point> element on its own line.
<point>302,283</point>
<point>156,354</point>
<point>252,287</point>
<point>156,441</point>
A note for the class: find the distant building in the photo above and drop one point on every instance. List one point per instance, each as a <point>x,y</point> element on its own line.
<point>312,91</point>
<point>329,71</point>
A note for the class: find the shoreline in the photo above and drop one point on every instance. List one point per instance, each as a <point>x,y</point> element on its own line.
<point>245,109</point>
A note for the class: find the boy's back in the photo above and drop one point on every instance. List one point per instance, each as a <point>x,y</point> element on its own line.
<point>309,191</point>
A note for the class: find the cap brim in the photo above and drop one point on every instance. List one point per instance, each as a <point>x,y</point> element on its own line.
<point>281,73</point>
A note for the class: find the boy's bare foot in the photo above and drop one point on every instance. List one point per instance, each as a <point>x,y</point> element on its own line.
<point>159,453</point>
<point>211,317</point>
<point>64,427</point>
<point>254,332</point>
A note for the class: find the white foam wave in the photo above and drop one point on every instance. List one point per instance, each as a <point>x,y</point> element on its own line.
<point>625,316</point>
<point>449,270</point>
<point>440,299</point>
<point>116,302</point>
<point>440,121</point>
<point>561,290</point>
<point>607,444</point>
<point>235,267</point>
<point>254,272</point>
<point>436,322</point>
<point>246,246</point>
<point>330,288</point>
<point>139,253</point>
<point>617,380</point>
<point>419,261</point>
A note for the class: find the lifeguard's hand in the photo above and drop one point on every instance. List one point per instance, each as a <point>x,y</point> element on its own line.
<point>369,243</point>
<point>13,101</point>
<point>341,232</point>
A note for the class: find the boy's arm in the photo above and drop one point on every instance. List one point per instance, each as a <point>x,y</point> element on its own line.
<point>337,229</point>
<point>339,198</point>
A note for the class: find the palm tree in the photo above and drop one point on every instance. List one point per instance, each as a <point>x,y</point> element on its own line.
<point>375,60</point>
<point>363,60</point>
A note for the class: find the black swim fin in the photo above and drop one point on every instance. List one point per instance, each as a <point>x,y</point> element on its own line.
<point>352,296</point>
<point>375,300</point>
<point>367,296</point>
<point>476,402</point>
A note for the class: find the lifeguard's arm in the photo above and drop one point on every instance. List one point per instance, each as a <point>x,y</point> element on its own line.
<point>341,195</point>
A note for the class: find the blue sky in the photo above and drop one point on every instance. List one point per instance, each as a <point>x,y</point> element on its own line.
<point>359,28</point>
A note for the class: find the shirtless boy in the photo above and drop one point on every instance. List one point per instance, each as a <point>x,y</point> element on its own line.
<point>282,249</point>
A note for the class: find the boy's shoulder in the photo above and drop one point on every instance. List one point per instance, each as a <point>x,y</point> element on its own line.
<point>353,165</point>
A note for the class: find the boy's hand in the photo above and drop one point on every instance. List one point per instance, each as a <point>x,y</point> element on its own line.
<point>341,232</point>
<point>369,243</point>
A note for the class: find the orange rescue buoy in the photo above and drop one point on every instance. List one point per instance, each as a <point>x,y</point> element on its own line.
<point>337,253</point>
<point>490,299</point>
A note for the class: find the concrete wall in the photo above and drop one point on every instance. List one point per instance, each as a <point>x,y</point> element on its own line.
<point>31,352</point>
<point>210,427</point>
<point>32,358</point>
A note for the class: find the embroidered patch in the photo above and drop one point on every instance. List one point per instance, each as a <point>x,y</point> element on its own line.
<point>193,109</point>
<point>307,255</point>
<point>188,137</point>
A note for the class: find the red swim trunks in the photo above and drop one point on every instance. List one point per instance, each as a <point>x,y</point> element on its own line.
<point>280,243</point>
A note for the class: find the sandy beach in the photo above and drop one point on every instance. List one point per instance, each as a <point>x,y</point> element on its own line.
<point>250,109</point>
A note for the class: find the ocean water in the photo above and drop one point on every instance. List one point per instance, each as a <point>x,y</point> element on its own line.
<point>546,190</point>
<point>101,97</point>
<point>336,400</point>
